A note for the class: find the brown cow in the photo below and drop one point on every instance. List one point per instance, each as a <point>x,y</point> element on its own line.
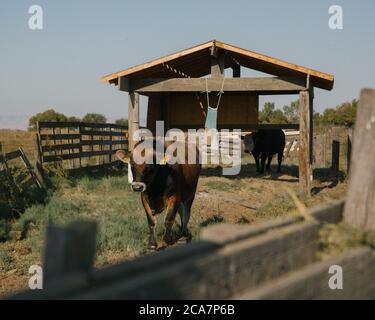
<point>169,187</point>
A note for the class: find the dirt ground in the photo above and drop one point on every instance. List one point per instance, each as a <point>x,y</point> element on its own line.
<point>252,198</point>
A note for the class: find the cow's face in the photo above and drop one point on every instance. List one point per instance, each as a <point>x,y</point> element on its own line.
<point>141,174</point>
<point>249,143</point>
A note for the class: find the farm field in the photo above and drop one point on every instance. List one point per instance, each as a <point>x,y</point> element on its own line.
<point>123,232</point>
<point>13,139</point>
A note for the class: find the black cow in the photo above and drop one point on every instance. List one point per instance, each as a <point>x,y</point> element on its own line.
<point>264,144</point>
<point>169,187</point>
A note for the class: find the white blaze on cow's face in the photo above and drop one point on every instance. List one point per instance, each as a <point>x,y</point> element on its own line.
<point>125,157</point>
<point>248,143</point>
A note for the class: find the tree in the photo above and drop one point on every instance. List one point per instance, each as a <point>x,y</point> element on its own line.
<point>48,115</point>
<point>291,112</point>
<point>73,119</point>
<point>271,115</point>
<point>278,117</point>
<point>266,113</point>
<point>122,122</point>
<point>346,113</point>
<point>342,115</point>
<point>94,118</point>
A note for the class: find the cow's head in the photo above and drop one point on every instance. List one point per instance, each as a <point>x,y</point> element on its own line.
<point>253,140</point>
<point>140,174</point>
<point>249,144</point>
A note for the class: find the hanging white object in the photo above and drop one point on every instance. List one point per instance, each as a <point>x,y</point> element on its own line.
<point>211,117</point>
<point>130,174</point>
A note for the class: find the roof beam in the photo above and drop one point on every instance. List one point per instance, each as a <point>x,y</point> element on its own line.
<point>267,85</point>
<point>217,63</point>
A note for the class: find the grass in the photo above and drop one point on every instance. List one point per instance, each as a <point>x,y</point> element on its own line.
<point>5,260</point>
<point>336,238</point>
<point>122,224</point>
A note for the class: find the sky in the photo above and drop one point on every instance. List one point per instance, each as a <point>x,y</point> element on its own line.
<point>60,66</point>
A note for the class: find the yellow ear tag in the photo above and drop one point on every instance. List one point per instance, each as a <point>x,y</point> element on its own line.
<point>163,161</point>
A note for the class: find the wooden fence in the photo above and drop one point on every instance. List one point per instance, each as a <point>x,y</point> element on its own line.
<point>79,144</point>
<point>331,147</point>
<point>276,259</point>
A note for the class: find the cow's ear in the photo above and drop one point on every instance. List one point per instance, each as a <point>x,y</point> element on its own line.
<point>123,156</point>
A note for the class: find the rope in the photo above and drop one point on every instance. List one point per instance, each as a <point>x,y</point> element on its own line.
<point>207,94</point>
<point>166,65</point>
<point>220,92</point>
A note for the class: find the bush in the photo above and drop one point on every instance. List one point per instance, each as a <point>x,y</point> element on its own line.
<point>48,115</point>
<point>122,122</point>
<point>94,118</point>
<point>4,230</point>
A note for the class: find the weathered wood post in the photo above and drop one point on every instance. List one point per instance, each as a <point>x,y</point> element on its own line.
<point>217,63</point>
<point>38,158</point>
<point>133,116</point>
<point>360,202</point>
<point>305,138</point>
<point>69,250</point>
<point>335,149</point>
<point>349,149</point>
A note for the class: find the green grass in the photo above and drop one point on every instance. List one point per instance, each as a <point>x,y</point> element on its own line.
<point>122,225</point>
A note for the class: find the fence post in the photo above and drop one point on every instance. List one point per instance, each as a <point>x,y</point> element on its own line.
<point>360,202</point>
<point>335,149</point>
<point>69,250</point>
<point>38,158</point>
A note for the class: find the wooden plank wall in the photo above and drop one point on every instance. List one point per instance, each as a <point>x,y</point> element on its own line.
<point>182,110</point>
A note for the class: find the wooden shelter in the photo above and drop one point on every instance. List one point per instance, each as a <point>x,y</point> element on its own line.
<point>176,86</point>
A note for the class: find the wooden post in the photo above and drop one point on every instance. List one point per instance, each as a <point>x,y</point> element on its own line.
<point>359,208</point>
<point>335,149</point>
<point>305,171</point>
<point>325,147</point>
<point>80,144</point>
<point>349,149</point>
<point>217,63</point>
<point>1,157</point>
<point>38,158</point>
<point>236,70</point>
<point>69,250</point>
<point>133,116</point>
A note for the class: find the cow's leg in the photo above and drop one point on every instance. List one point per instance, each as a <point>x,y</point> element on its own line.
<point>151,219</point>
<point>256,158</point>
<point>185,211</point>
<point>269,159</point>
<point>279,160</point>
<point>263,158</point>
<point>172,207</point>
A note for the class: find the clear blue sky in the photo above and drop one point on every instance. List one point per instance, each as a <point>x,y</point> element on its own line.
<point>61,65</point>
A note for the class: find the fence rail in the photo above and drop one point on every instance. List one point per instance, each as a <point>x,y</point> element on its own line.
<point>22,182</point>
<point>79,144</point>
